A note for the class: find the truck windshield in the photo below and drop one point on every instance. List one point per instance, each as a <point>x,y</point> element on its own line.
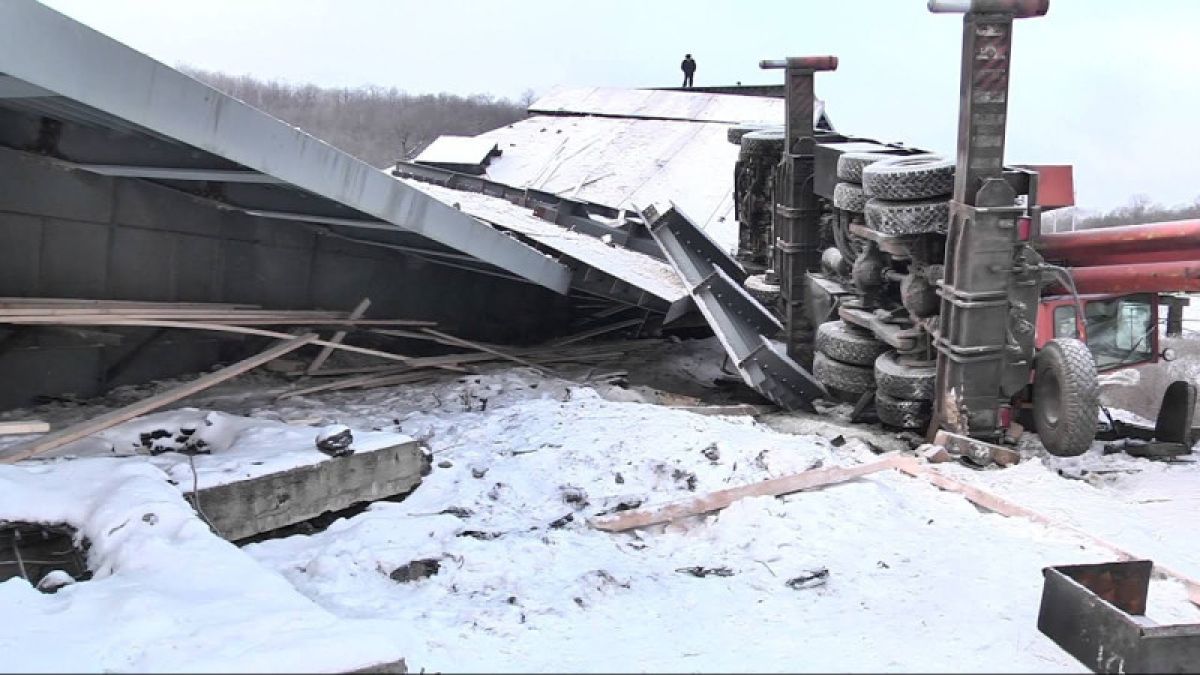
<point>1121,331</point>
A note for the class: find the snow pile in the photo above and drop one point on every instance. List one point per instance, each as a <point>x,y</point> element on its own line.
<point>1144,506</point>
<point>490,566</point>
<point>915,575</point>
<point>167,593</point>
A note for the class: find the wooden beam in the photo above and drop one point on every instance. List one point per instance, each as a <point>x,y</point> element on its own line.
<point>115,417</point>
<point>337,338</point>
<point>88,302</point>
<point>593,332</point>
<point>165,311</point>
<point>715,501</point>
<point>227,328</point>
<point>413,335</point>
<point>992,502</point>
<point>485,348</point>
<point>23,427</point>
<point>361,382</point>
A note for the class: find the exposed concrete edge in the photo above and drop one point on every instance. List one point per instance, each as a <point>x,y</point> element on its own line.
<point>245,508</point>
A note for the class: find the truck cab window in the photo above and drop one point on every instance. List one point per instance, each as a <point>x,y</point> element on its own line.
<point>1065,324</point>
<point>1120,332</point>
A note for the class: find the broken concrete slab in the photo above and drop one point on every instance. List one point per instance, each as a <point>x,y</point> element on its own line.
<point>244,508</point>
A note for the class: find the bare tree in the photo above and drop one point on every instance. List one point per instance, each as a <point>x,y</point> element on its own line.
<point>1140,209</point>
<point>376,124</point>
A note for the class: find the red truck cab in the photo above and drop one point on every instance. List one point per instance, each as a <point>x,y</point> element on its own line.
<point>1120,330</point>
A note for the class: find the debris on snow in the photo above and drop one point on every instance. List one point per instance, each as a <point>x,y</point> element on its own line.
<point>417,569</point>
<point>810,579</point>
<point>522,584</point>
<point>335,440</point>
<point>701,572</point>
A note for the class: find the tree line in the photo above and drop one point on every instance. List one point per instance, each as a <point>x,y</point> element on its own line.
<point>379,125</point>
<point>1139,209</point>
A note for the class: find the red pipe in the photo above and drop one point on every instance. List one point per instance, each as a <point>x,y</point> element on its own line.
<point>1185,253</point>
<point>1181,276</point>
<point>1151,242</point>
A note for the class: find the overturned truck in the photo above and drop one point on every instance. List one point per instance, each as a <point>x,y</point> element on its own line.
<point>920,285</point>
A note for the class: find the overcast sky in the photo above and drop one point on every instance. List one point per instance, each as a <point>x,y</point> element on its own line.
<point>1111,86</point>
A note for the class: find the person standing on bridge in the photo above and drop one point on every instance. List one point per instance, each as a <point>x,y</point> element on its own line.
<point>688,67</point>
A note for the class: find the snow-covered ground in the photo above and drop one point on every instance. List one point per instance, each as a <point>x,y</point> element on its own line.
<point>167,593</point>
<point>918,579</point>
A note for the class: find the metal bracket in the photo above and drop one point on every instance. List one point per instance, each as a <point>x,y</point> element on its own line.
<point>1097,613</point>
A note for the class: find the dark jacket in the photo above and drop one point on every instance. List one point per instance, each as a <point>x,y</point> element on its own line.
<point>688,66</point>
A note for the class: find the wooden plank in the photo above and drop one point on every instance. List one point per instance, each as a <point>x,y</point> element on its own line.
<point>87,302</point>
<point>485,348</point>
<point>414,335</point>
<point>165,311</point>
<point>577,337</point>
<point>115,417</point>
<point>344,383</point>
<point>361,382</point>
<point>992,502</point>
<point>807,480</point>
<point>23,427</point>
<point>237,319</point>
<point>226,328</point>
<point>337,338</point>
<point>356,370</point>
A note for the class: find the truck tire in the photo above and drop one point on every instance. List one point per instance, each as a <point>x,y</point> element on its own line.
<point>911,381</point>
<point>736,132</point>
<point>1065,397</point>
<point>764,142</point>
<point>911,177</point>
<point>850,165</point>
<point>849,197</point>
<point>845,377</point>
<point>758,288</point>
<point>897,412</point>
<point>848,344</point>
<point>912,217</point>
